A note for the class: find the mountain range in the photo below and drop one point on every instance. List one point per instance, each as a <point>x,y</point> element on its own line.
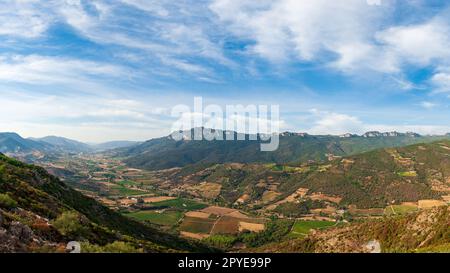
<point>13,143</point>
<point>165,152</point>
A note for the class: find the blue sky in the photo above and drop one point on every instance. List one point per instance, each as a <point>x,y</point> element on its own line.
<point>108,70</point>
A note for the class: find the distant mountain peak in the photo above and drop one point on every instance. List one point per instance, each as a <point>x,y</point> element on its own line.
<point>389,134</point>
<point>348,135</point>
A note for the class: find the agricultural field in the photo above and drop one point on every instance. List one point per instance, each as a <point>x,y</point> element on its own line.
<point>197,225</point>
<point>166,218</point>
<point>215,220</point>
<point>120,190</point>
<point>400,209</point>
<point>180,203</point>
<point>303,228</point>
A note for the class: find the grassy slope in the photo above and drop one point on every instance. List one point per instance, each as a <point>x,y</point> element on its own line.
<point>37,191</point>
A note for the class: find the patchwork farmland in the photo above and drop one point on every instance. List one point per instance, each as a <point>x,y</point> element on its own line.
<point>215,220</point>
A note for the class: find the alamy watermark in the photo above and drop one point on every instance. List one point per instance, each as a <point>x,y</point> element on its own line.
<point>234,123</point>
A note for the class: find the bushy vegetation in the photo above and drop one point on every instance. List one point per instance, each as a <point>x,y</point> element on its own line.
<point>68,223</point>
<point>296,210</point>
<point>220,241</point>
<point>7,202</point>
<point>275,231</point>
<point>115,247</point>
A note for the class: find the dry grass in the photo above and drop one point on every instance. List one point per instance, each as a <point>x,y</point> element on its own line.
<point>269,196</point>
<point>207,190</point>
<point>324,197</point>
<point>238,214</point>
<point>197,214</point>
<point>446,198</point>
<point>157,199</point>
<point>190,235</point>
<point>244,198</point>
<point>221,211</point>
<point>428,204</point>
<point>250,226</point>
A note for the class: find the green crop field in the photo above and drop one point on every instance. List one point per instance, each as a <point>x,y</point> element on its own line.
<point>121,190</point>
<point>168,218</point>
<point>181,203</point>
<point>302,228</point>
<point>127,183</point>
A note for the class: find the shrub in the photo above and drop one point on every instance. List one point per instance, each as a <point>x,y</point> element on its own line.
<point>7,202</point>
<point>220,241</point>
<point>116,247</point>
<point>68,223</point>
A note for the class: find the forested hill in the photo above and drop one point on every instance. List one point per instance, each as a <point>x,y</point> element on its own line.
<point>165,153</point>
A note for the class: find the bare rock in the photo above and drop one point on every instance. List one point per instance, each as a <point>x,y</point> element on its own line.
<point>21,231</point>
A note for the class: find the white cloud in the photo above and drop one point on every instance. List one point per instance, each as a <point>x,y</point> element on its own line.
<point>428,105</point>
<point>88,118</point>
<point>23,18</point>
<point>36,69</point>
<point>166,39</point>
<point>350,36</point>
<point>185,66</point>
<point>152,6</point>
<point>335,123</point>
<point>441,82</point>
<point>418,44</point>
<point>302,29</point>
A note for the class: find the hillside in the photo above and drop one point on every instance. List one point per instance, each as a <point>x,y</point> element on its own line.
<point>32,149</point>
<point>14,143</point>
<point>165,153</point>
<point>65,144</point>
<point>425,231</point>
<point>369,180</point>
<point>113,145</point>
<point>40,213</point>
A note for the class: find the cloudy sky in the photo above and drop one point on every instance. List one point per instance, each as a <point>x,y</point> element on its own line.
<point>108,70</point>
